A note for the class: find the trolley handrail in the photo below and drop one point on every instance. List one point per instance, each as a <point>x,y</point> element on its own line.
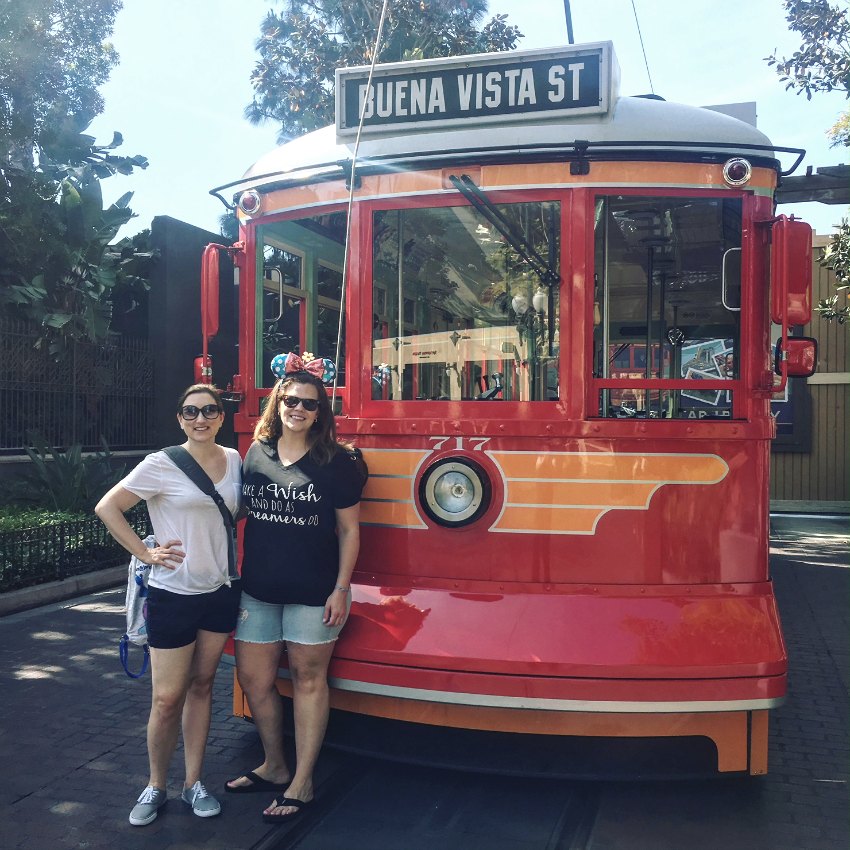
<point>280,293</point>
<point>723,281</point>
<point>344,167</point>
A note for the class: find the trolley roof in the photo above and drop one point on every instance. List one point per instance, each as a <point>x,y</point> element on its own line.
<point>630,127</point>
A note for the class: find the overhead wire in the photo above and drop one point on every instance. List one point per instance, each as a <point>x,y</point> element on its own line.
<point>568,16</point>
<point>351,187</point>
<point>643,49</point>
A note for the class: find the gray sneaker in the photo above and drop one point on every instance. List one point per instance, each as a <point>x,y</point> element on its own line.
<point>148,806</point>
<point>203,804</point>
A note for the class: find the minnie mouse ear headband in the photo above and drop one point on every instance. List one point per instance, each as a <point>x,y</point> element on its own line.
<point>319,367</point>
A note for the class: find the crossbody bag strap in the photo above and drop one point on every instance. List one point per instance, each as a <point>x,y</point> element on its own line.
<point>195,473</point>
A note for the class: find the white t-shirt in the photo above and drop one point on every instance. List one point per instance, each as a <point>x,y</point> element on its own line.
<point>180,511</point>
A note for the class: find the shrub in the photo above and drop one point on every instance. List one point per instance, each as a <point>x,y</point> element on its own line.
<point>65,481</point>
<point>39,545</point>
<point>16,517</point>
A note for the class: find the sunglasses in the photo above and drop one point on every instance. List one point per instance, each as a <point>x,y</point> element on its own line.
<point>209,411</point>
<point>292,401</point>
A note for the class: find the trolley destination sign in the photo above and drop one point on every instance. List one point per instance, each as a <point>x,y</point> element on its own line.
<point>445,92</point>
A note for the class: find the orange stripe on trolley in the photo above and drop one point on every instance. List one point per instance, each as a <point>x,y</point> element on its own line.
<point>553,520</point>
<point>567,492</point>
<point>393,461</point>
<point>388,496</point>
<point>610,467</point>
<point>580,493</point>
<point>727,729</point>
<point>617,173</point>
<point>395,489</point>
<point>397,514</point>
<point>495,177</point>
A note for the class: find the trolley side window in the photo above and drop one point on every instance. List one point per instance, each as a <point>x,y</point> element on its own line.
<point>460,309</point>
<point>300,275</point>
<point>667,304</point>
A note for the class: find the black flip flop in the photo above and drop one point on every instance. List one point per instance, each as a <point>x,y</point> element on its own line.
<point>298,805</point>
<point>257,784</point>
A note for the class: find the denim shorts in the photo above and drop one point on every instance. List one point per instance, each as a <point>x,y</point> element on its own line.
<point>174,619</point>
<point>263,622</point>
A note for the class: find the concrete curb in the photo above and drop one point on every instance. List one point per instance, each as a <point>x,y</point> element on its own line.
<point>56,591</point>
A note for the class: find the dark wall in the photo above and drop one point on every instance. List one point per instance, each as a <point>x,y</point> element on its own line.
<point>174,323</point>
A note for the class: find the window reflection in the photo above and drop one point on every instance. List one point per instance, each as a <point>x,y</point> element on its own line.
<point>667,302</point>
<point>458,312</point>
<point>301,287</point>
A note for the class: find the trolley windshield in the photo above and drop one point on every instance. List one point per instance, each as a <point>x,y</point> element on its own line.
<point>461,310</point>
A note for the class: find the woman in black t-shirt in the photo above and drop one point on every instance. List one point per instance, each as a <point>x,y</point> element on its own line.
<point>301,489</point>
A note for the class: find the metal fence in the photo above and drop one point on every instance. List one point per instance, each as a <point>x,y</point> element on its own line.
<point>93,392</point>
<point>30,556</point>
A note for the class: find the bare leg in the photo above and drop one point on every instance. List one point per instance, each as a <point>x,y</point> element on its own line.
<point>170,674</point>
<point>198,704</point>
<point>256,667</point>
<point>309,667</point>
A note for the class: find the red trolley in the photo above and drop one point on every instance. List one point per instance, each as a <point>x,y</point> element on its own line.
<point>555,357</point>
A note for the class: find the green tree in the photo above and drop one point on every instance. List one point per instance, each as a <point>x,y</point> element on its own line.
<point>53,56</point>
<point>822,64</point>
<point>57,267</point>
<point>836,256</point>
<point>301,46</point>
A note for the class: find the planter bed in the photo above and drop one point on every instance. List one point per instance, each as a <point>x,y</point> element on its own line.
<point>31,556</point>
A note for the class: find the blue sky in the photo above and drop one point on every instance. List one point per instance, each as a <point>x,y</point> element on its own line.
<point>178,93</point>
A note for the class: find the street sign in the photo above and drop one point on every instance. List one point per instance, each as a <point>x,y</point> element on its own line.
<point>439,93</point>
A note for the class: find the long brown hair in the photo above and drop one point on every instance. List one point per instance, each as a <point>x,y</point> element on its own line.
<point>322,442</point>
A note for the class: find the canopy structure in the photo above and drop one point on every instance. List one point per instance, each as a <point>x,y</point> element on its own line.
<point>828,185</point>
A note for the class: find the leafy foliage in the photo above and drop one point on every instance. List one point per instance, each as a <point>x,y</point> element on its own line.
<point>38,545</point>
<point>839,132</point>
<point>822,63</point>
<point>15,517</point>
<point>56,264</point>
<point>65,237</point>
<point>300,48</point>
<point>65,481</point>
<point>836,256</point>
<point>53,56</point>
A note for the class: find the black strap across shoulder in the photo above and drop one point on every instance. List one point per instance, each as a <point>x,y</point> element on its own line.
<point>195,473</point>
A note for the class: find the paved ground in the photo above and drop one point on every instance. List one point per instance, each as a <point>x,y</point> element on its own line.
<point>73,754</point>
<point>803,802</point>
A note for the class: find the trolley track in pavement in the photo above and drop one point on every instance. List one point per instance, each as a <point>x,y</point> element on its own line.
<point>366,804</point>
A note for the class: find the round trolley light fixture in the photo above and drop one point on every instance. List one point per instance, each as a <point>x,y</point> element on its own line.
<point>455,492</point>
<point>737,171</point>
<point>249,202</point>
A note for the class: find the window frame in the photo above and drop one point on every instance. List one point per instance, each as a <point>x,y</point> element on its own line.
<point>741,409</point>
<point>431,408</point>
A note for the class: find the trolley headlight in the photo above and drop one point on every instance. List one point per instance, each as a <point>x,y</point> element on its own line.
<point>455,491</point>
<point>249,202</point>
<point>737,172</point>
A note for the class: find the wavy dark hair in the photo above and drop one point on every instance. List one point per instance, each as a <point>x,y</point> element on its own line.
<point>322,442</point>
<point>209,389</point>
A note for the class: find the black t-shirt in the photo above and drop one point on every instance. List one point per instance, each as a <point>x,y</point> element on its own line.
<point>291,551</point>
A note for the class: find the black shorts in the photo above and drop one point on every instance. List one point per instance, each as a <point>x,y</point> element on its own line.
<point>174,619</point>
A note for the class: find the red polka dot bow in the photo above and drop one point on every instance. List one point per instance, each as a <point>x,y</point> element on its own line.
<point>287,364</point>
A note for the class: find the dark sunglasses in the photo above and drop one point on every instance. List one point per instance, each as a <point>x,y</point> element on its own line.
<point>209,411</point>
<point>292,401</point>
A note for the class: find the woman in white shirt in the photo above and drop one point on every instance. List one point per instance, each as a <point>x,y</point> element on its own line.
<point>192,605</point>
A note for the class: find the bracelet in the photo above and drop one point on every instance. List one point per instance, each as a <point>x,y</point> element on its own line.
<point>343,589</point>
